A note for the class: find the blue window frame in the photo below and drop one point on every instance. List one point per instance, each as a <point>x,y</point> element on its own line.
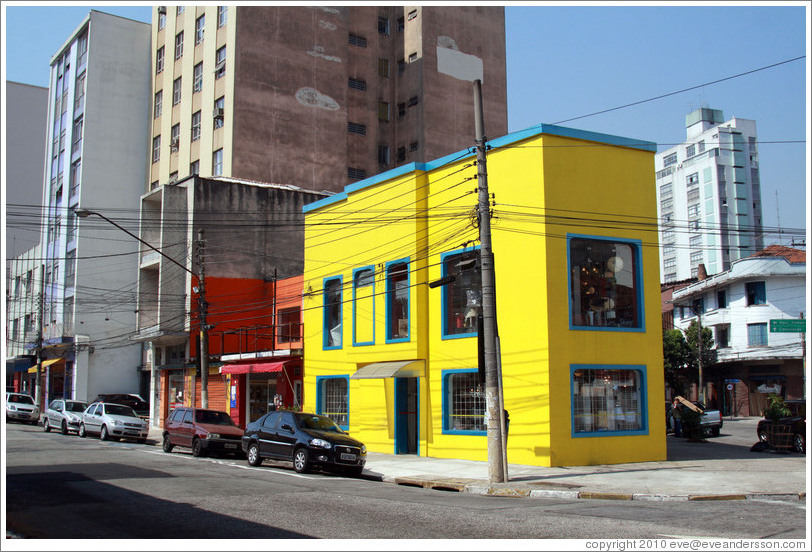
<point>363,306</point>
<point>397,301</point>
<point>333,399</point>
<point>464,407</point>
<point>462,298</point>
<point>757,334</point>
<point>333,308</point>
<point>756,293</point>
<point>605,284</point>
<point>608,400</point>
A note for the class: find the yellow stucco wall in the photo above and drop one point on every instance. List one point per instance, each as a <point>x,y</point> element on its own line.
<point>546,186</point>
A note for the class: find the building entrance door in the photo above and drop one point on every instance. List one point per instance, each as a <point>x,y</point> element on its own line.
<point>261,391</point>
<point>406,394</point>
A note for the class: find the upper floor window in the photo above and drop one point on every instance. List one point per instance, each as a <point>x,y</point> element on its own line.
<point>333,309</point>
<point>690,151</point>
<point>161,18</point>
<point>757,334</point>
<point>356,40</point>
<point>219,112</point>
<point>176,91</point>
<point>605,276</point>
<point>670,159</point>
<point>397,301</point>
<point>196,118</point>
<point>175,137</point>
<point>462,297</point>
<point>721,299</point>
<point>356,128</point>
<point>194,167</point>
<point>222,15</point>
<point>357,84</point>
<point>179,10</point>
<point>156,149</point>
<point>159,60</point>
<point>217,162</point>
<point>197,84</point>
<point>200,23</point>
<point>383,67</point>
<point>156,110</point>
<point>179,45</point>
<point>383,25</point>
<point>82,52</point>
<point>220,63</point>
<point>289,325</point>
<point>722,336</point>
<point>692,179</point>
<point>363,306</point>
<point>756,293</point>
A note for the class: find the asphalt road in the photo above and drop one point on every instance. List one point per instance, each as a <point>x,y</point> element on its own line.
<point>70,488</point>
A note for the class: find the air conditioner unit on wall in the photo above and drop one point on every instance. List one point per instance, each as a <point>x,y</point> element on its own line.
<point>218,113</point>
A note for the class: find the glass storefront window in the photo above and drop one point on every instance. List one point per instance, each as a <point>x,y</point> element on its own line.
<point>604,283</point>
<point>462,298</point>
<point>607,399</point>
<point>463,402</point>
<point>333,399</point>
<point>176,391</point>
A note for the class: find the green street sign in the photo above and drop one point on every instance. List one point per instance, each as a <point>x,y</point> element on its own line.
<point>788,325</point>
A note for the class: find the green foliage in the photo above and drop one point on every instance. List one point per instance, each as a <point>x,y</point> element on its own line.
<point>708,350</point>
<point>776,408</point>
<point>677,362</point>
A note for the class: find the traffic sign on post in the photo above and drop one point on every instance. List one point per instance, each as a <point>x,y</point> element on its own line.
<point>788,325</point>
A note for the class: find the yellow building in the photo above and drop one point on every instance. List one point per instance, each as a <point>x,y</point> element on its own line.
<point>394,361</point>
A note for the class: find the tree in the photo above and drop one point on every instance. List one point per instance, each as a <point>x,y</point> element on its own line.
<point>708,351</point>
<point>677,362</point>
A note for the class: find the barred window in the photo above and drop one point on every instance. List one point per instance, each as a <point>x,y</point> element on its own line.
<point>463,402</point>
<point>334,395</point>
<point>356,128</point>
<point>359,41</point>
<point>356,174</point>
<point>607,400</point>
<point>357,84</point>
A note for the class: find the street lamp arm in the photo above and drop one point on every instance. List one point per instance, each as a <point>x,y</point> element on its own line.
<point>84,213</point>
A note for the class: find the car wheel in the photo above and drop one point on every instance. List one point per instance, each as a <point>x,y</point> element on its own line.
<point>254,459</point>
<point>167,445</point>
<point>46,427</point>
<point>103,435</point>
<point>82,431</point>
<point>197,447</point>
<point>141,441</point>
<point>64,427</point>
<point>301,463</point>
<point>799,443</point>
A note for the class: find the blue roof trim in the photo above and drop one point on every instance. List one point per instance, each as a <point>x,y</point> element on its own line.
<point>470,152</point>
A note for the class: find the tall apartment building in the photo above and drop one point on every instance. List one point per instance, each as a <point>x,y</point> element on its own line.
<point>709,196</point>
<point>23,287</point>
<point>97,128</point>
<point>317,97</point>
<point>26,107</point>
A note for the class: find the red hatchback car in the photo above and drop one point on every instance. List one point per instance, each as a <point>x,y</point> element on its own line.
<point>203,431</point>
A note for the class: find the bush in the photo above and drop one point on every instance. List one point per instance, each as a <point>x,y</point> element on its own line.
<point>776,408</point>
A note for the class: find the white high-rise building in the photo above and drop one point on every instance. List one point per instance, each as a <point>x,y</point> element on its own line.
<point>709,195</point>
<point>98,110</point>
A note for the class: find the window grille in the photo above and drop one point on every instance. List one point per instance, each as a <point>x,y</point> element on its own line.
<point>359,41</point>
<point>465,402</point>
<point>357,84</point>
<point>335,400</point>
<point>606,400</point>
<point>357,128</point>
<point>356,174</point>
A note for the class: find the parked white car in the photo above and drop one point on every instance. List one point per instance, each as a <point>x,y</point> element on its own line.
<point>21,408</point>
<point>63,415</point>
<point>113,421</point>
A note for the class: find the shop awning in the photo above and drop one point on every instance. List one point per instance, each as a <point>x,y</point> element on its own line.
<point>45,364</point>
<point>397,369</point>
<point>256,368</point>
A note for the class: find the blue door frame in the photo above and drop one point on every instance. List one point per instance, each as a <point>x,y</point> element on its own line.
<point>407,416</point>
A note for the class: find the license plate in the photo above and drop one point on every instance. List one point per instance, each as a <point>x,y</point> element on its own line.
<point>345,456</point>
<point>230,446</point>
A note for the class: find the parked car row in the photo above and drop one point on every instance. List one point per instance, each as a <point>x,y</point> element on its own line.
<point>306,440</point>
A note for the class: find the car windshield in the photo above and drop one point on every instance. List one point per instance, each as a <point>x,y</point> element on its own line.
<point>75,406</point>
<point>312,421</point>
<point>20,399</point>
<point>119,410</point>
<point>213,417</point>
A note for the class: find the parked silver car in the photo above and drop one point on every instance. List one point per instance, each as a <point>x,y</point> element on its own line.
<point>21,408</point>
<point>113,421</point>
<point>63,415</point>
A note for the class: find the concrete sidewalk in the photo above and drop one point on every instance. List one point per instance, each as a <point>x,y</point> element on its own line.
<point>720,468</point>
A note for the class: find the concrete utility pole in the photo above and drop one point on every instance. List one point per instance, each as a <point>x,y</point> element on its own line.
<point>40,337</point>
<point>204,330</point>
<point>497,465</point>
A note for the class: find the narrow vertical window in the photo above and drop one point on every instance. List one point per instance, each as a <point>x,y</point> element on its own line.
<point>156,149</point>
<point>176,91</point>
<point>332,314</point>
<point>194,167</point>
<point>462,298</point>
<point>158,104</point>
<point>333,399</point>
<point>200,23</point>
<point>219,112</point>
<point>756,293</point>
<point>197,84</point>
<point>397,301</point>
<point>159,60</point>
<point>222,16</point>
<point>220,63</point>
<point>196,126</point>
<point>363,310</point>
<point>174,140</point>
<point>179,45</point>
<point>217,163</point>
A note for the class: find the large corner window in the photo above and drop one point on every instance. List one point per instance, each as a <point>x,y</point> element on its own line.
<point>608,400</point>
<point>363,307</point>
<point>332,313</point>
<point>462,298</point>
<point>333,399</point>
<point>605,284</point>
<point>463,403</point>
<point>397,301</point>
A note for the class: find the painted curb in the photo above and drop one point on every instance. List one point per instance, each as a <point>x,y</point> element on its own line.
<point>717,497</point>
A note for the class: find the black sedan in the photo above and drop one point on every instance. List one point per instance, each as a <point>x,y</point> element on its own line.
<point>307,440</point>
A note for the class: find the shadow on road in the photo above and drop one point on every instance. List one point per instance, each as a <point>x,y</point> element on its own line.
<point>64,503</point>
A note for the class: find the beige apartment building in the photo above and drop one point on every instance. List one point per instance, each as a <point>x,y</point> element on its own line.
<point>318,97</point>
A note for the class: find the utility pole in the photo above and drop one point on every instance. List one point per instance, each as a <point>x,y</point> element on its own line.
<point>496,455</point>
<point>40,337</point>
<point>204,329</point>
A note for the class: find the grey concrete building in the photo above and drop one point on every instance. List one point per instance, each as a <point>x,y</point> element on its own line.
<point>317,96</point>
<point>96,135</point>
<point>26,111</point>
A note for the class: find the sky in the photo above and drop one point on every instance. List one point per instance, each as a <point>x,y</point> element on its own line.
<point>567,61</point>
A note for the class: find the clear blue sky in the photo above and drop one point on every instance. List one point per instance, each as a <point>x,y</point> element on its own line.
<point>568,61</point>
